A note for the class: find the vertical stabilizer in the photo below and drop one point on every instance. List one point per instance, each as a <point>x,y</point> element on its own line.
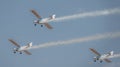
<point>53,16</point>
<point>30,44</point>
<point>112,52</point>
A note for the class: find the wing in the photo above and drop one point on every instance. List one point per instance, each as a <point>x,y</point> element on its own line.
<point>48,26</point>
<point>27,52</point>
<point>36,14</point>
<point>95,52</point>
<point>107,60</point>
<point>13,42</point>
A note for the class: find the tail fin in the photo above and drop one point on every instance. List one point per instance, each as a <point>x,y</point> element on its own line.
<point>53,16</point>
<point>112,52</point>
<point>30,44</point>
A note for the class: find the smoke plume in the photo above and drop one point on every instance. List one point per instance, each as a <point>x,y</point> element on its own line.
<point>78,40</point>
<point>88,14</point>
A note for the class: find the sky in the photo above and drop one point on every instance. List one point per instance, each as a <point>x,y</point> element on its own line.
<point>16,22</point>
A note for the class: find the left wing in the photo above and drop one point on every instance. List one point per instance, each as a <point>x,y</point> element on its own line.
<point>95,52</point>
<point>14,43</point>
<point>36,14</point>
<point>107,60</point>
<point>48,26</point>
<point>27,52</point>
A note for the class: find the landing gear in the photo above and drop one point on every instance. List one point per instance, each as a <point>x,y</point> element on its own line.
<point>97,58</point>
<point>41,25</point>
<point>94,60</point>
<point>20,52</point>
<point>35,24</point>
<point>14,52</point>
<point>101,61</point>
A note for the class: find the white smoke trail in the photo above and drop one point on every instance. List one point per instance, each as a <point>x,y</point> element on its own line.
<point>113,64</point>
<point>114,56</point>
<point>88,14</point>
<point>78,40</point>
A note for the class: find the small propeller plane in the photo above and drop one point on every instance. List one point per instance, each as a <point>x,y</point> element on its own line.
<point>43,21</point>
<point>21,49</point>
<point>100,57</point>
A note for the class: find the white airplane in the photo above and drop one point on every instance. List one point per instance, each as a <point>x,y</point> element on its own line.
<point>21,49</point>
<point>43,21</point>
<point>103,57</point>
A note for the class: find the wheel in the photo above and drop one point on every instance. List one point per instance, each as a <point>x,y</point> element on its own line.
<point>41,25</point>
<point>14,52</point>
<point>20,52</point>
<point>35,24</point>
<point>94,60</point>
<point>101,61</point>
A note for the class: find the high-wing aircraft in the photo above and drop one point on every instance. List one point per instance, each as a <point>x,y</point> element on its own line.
<point>43,21</point>
<point>21,49</point>
<point>100,57</point>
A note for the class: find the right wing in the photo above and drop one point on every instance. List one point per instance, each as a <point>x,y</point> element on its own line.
<point>27,52</point>
<point>48,26</point>
<point>107,60</point>
<point>94,51</point>
<point>13,42</point>
<point>36,14</point>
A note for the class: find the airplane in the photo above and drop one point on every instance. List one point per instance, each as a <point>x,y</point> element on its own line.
<point>42,21</point>
<point>21,49</point>
<point>100,57</point>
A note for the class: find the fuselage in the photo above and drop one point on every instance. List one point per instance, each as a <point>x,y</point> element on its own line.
<point>20,49</point>
<point>102,57</point>
<point>41,21</point>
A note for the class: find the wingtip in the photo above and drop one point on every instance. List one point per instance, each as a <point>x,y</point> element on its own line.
<point>51,28</point>
<point>31,10</point>
<point>9,39</point>
<point>90,48</point>
<point>30,54</point>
